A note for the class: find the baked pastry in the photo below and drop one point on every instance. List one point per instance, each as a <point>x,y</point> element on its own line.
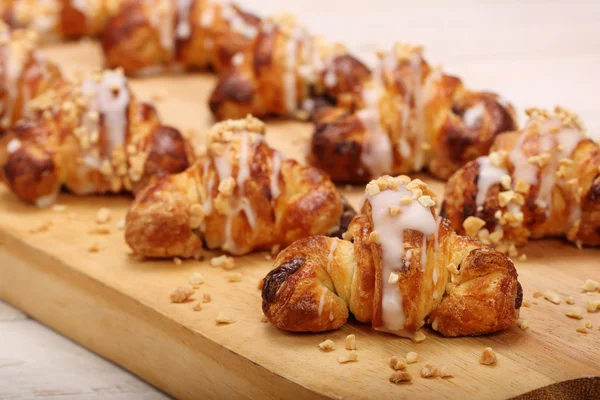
<point>24,73</point>
<point>282,71</point>
<point>538,182</point>
<point>152,35</point>
<point>409,116</point>
<point>91,137</point>
<point>403,268</point>
<point>241,196</point>
<point>59,18</point>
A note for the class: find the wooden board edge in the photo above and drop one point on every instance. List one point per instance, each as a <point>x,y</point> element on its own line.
<point>175,359</point>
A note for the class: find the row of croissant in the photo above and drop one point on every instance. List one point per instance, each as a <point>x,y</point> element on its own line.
<point>93,136</point>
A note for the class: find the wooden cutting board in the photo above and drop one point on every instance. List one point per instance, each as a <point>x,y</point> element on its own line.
<point>119,307</point>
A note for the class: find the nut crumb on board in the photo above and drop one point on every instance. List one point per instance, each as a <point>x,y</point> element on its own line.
<point>537,295</point>
<point>120,224</point>
<point>197,306</point>
<point>429,371</point>
<point>206,298</point>
<point>570,300</point>
<point>488,357</point>
<point>223,318</point>
<point>523,324</point>
<point>444,372</point>
<point>58,207</point>
<point>400,376</point>
<point>261,283</point>
<point>327,345</point>
<point>397,363</point>
<point>351,342</point>
<point>411,357</point>
<point>575,314</point>
<point>181,294</point>
<point>552,297</point>
<point>347,357</point>
<point>526,304</point>
<point>588,324</point>
<point>234,277</point>
<point>99,230</point>
<point>593,305</point>
<point>43,227</point>
<point>418,337</point>
<point>581,329</point>
<point>177,261</point>
<point>264,319</point>
<point>590,285</point>
<point>223,261</point>
<point>94,248</point>
<point>196,278</point>
<point>103,215</point>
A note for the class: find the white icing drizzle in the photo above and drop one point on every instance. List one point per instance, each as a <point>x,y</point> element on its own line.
<point>330,79</point>
<point>416,67</point>
<point>289,74</point>
<point>208,205</point>
<point>207,17</point>
<point>46,201</point>
<point>184,29</point>
<point>162,18</point>
<point>391,232</point>
<point>434,275</point>
<point>334,244</point>
<point>237,59</point>
<point>244,170</point>
<point>376,152</point>
<point>473,115</point>
<point>45,14</point>
<point>424,254</point>
<point>322,301</point>
<point>489,175</point>
<point>14,58</point>
<point>13,145</point>
<point>237,22</point>
<point>274,178</point>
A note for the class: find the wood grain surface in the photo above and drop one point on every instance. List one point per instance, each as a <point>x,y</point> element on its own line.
<point>533,54</point>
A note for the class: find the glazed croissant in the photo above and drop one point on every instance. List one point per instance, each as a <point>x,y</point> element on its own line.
<point>59,18</point>
<point>241,197</point>
<point>281,72</point>
<point>403,268</point>
<point>91,137</point>
<point>150,35</point>
<point>410,116</point>
<point>541,181</point>
<point>24,74</point>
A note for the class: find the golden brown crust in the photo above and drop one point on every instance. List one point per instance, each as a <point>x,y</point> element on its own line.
<point>557,195</point>
<point>241,197</point>
<point>149,35</point>
<point>317,280</point>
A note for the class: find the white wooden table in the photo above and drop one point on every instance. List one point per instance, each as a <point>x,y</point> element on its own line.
<point>534,53</point>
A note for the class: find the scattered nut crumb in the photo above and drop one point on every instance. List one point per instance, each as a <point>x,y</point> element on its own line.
<point>275,249</point>
<point>523,323</point>
<point>327,345</point>
<point>590,286</point>
<point>177,261</point>
<point>261,283</point>
<point>418,337</point>
<point>351,342</point>
<point>588,324</point>
<point>348,357</point>
<point>488,357</point>
<point>570,300</point>
<point>94,248</point>
<point>103,215</point>
<point>444,372</point>
<point>121,224</point>
<point>537,294</point>
<point>429,371</point>
<point>269,257</point>
<point>206,298</point>
<point>593,305</point>
<point>374,237</point>
<point>223,261</point>
<point>196,279</point>
<point>181,294</point>
<point>400,376</point>
<point>411,357</point>
<point>264,319</point>
<point>581,329</point>
<point>526,304</point>
<point>234,277</point>
<point>99,230</point>
<point>198,306</point>
<point>523,257</point>
<point>575,314</point>
<point>472,225</point>
<point>393,278</point>
<point>58,207</point>
<point>552,297</point>
<point>397,363</point>
<point>43,227</point>
<point>223,318</point>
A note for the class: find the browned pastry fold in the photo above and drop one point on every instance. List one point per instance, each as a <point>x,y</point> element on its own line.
<point>152,35</point>
<point>91,137</point>
<point>281,72</point>
<point>410,116</point>
<point>403,268</point>
<point>541,181</point>
<point>59,18</point>
<point>24,74</point>
<point>241,196</point>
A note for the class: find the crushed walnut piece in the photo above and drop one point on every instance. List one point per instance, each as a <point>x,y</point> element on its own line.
<point>444,372</point>
<point>372,189</point>
<point>206,298</point>
<point>394,210</point>
<point>261,283</point>
<point>588,324</point>
<point>426,201</point>
<point>223,261</point>
<point>234,277</point>
<point>569,300</point>
<point>196,216</point>
<point>223,318</point>
<point>411,357</point>
<point>226,186</point>
<point>418,337</point>
<point>197,306</point>
<point>196,279</point>
<point>488,357</point>
<point>590,286</point>
<point>400,376</point>
<point>397,363</point>
<point>374,237</point>
<point>350,356</point>
<point>523,323</point>
<point>429,371</point>
<point>393,278</point>
<point>581,329</point>
<point>575,314</point>
<point>327,345</point>
<point>593,305</point>
<point>499,158</point>
<point>506,181</point>
<point>94,248</point>
<point>452,269</point>
<point>552,297</point>
<point>103,215</point>
<point>472,225</point>
<point>351,342</point>
<point>181,294</point>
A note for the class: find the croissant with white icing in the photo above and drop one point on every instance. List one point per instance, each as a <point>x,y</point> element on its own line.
<point>91,137</point>
<point>282,71</point>
<point>153,35</point>
<point>24,74</point>
<point>242,196</point>
<point>410,116</point>
<point>543,180</point>
<point>59,18</point>
<point>400,268</point>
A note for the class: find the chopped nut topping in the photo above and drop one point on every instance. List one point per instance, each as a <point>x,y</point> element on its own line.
<point>590,286</point>
<point>400,376</point>
<point>523,257</point>
<point>416,193</point>
<point>327,345</point>
<point>227,186</point>
<point>181,294</point>
<point>488,357</point>
<point>197,306</point>
<point>505,181</point>
<point>234,277</point>
<point>103,215</point>
<point>372,189</point>
<point>206,298</point>
<point>405,201</point>
<point>393,278</point>
<point>588,324</point>
<point>177,261</point>
<point>223,318</point>
<point>196,279</point>
<point>512,251</point>
<point>541,159</point>
<point>552,297</point>
<point>196,216</point>
<point>499,158</point>
<point>452,269</point>
<point>351,342</point>
<point>581,329</point>
<point>394,210</point>
<point>445,372</point>
<point>397,363</point>
<point>411,357</point>
<point>496,236</point>
<point>418,337</point>
<point>522,187</point>
<point>505,197</point>
<point>575,314</point>
<point>523,323</point>
<point>570,300</point>
<point>429,371</point>
<point>374,237</point>
<point>426,201</point>
<point>593,305</point>
<point>350,356</point>
<point>472,225</point>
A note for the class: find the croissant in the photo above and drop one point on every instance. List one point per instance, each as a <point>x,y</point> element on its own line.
<point>24,74</point>
<point>541,181</point>
<point>150,35</point>
<point>282,70</point>
<point>241,196</point>
<point>410,116</point>
<point>92,137</point>
<point>403,268</point>
<point>59,18</point>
